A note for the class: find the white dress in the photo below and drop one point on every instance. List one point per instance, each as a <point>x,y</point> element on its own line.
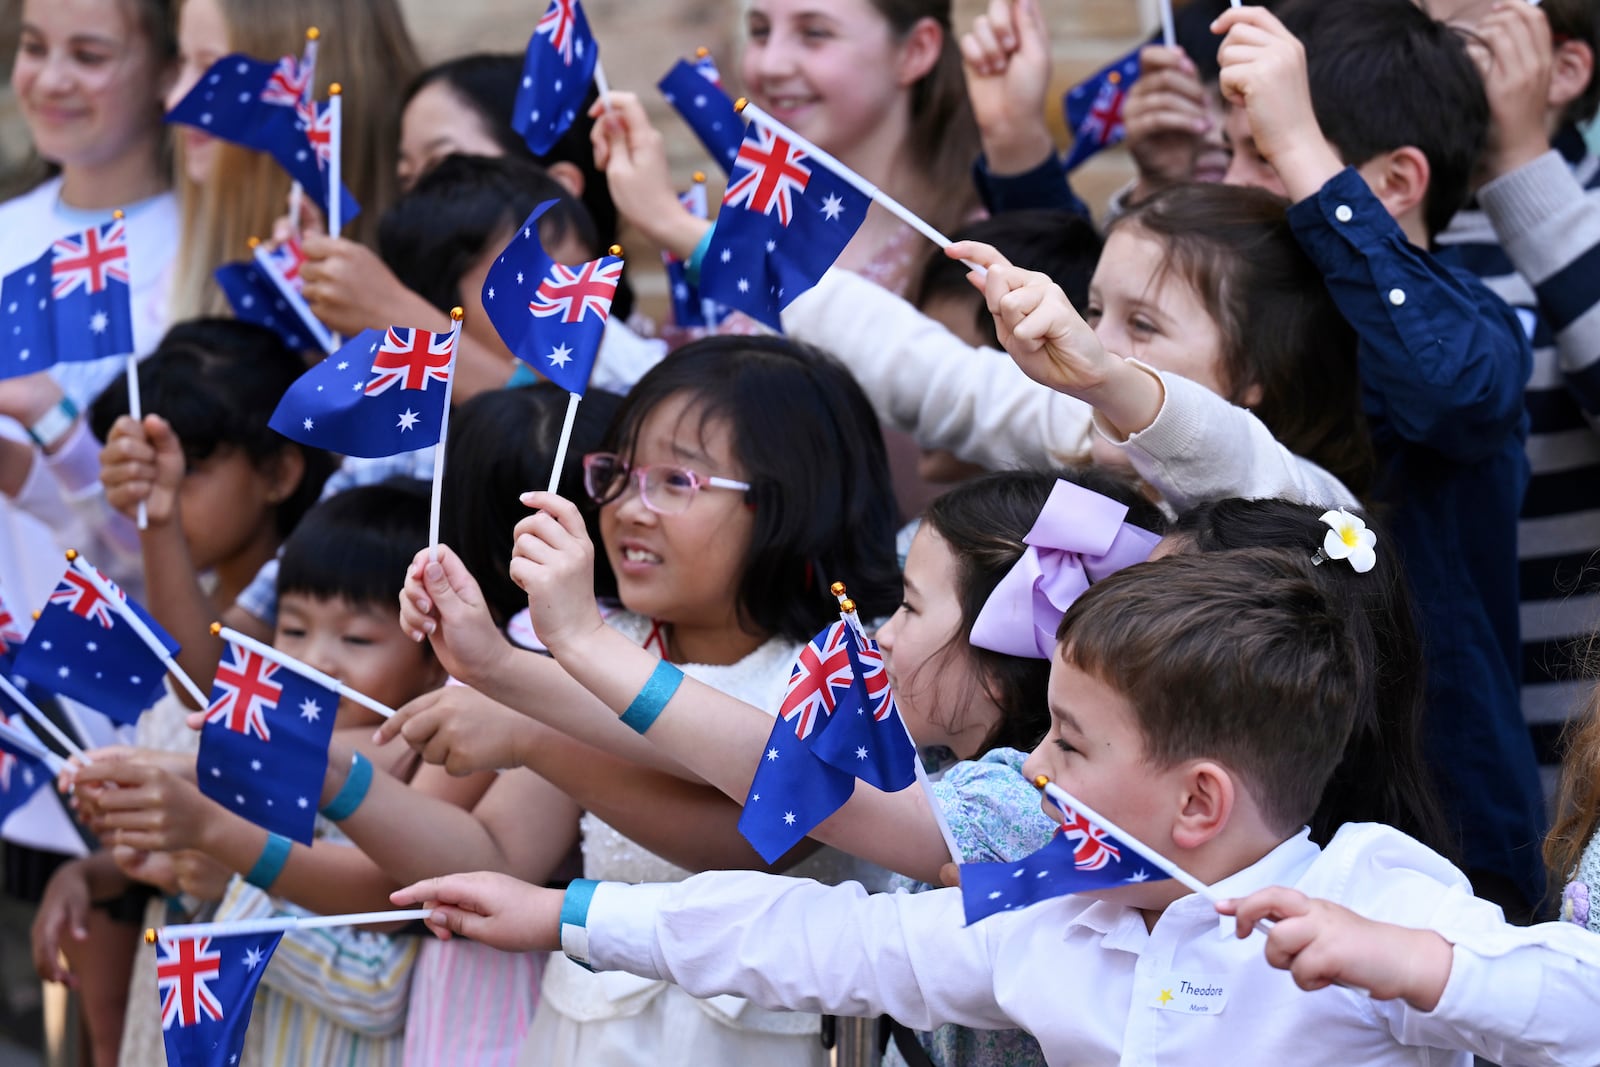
<point>620,1020</point>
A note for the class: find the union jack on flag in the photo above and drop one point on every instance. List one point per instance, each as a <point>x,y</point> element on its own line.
<point>557,24</point>
<point>10,636</point>
<point>774,172</point>
<point>248,690</point>
<point>1094,108</point>
<point>22,772</point>
<point>823,667</point>
<point>318,121</point>
<point>557,71</point>
<point>288,257</point>
<point>818,749</point>
<point>206,986</point>
<point>571,293</point>
<point>90,260</point>
<point>78,595</point>
<point>1093,848</point>
<point>411,358</point>
<point>288,84</point>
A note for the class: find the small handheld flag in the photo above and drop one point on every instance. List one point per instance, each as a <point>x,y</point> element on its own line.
<point>23,770</point>
<point>70,304</point>
<point>255,296</point>
<point>838,722</point>
<point>557,70</point>
<point>689,309</point>
<point>94,644</point>
<point>264,745</point>
<point>384,392</point>
<point>695,92</point>
<point>262,106</point>
<point>206,987</point>
<point>1094,108</point>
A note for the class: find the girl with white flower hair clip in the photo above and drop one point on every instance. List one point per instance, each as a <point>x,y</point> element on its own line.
<point>1348,539</point>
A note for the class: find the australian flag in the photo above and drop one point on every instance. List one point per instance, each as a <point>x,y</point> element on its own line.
<point>689,309</point>
<point>695,91</point>
<point>550,315</point>
<point>82,647</point>
<point>256,298</point>
<point>264,745</point>
<point>207,986</point>
<point>11,637</point>
<point>1094,108</point>
<point>838,722</point>
<point>70,304</point>
<point>785,218</point>
<point>262,106</point>
<point>556,73</point>
<point>1080,857</point>
<point>22,773</point>
<point>383,393</point>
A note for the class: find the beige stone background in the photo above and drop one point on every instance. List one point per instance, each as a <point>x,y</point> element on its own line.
<point>640,38</point>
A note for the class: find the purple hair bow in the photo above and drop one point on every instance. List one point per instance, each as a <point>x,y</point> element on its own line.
<point>1079,538</point>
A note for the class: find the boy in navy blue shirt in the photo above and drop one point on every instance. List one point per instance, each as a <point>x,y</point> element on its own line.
<point>1373,128</point>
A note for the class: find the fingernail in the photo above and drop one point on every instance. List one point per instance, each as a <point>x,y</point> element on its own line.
<point>434,572</point>
<point>377,735</point>
<point>526,497</point>
<point>429,626</point>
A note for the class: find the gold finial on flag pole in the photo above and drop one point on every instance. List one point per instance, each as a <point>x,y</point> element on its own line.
<point>615,250</point>
<point>312,33</point>
<point>254,243</point>
<point>457,314</point>
<point>702,52</point>
<point>740,104</point>
<point>335,89</point>
<point>118,215</point>
<point>699,176</point>
<point>837,589</point>
<point>149,935</point>
<point>72,554</point>
<point>216,629</point>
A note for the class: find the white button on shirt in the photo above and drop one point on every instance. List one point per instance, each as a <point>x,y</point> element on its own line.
<point>1092,984</point>
<point>1343,213</point>
<point>1397,297</point>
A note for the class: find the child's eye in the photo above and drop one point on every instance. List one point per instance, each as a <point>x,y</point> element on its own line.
<point>1063,746</point>
<point>358,640</point>
<point>1141,325</point>
<point>291,631</point>
<point>90,59</point>
<point>1092,314</point>
<point>905,606</point>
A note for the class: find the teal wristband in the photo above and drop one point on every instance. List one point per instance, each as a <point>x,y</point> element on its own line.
<point>697,258</point>
<point>270,865</point>
<point>658,689</point>
<point>575,920</point>
<point>349,798</point>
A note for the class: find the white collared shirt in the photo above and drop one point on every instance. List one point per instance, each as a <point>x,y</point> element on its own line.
<point>1096,987</point>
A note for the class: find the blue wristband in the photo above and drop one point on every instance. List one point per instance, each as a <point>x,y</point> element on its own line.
<point>575,920</point>
<point>658,689</point>
<point>270,865</point>
<point>697,258</point>
<point>349,798</point>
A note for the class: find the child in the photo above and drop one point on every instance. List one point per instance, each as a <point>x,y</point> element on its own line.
<point>1530,234</point>
<point>1373,125</point>
<point>228,194</point>
<point>331,995</point>
<point>729,577</point>
<point>1171,704</point>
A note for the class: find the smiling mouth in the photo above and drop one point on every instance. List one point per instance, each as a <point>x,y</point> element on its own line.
<point>640,555</point>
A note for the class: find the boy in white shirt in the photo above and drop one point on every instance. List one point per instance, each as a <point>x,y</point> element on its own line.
<point>1199,702</point>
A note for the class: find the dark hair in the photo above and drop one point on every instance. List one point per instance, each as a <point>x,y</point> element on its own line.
<point>1578,21</point>
<point>447,222</point>
<point>942,142</point>
<point>1280,328</point>
<point>487,83</point>
<point>1382,776</point>
<point>1241,657</point>
<point>1386,75</point>
<point>1058,243</point>
<point>812,452</point>
<point>983,522</point>
<point>356,545</point>
<point>501,445</point>
<point>217,381</point>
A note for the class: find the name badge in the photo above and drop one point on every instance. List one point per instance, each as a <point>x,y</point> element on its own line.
<point>1191,996</point>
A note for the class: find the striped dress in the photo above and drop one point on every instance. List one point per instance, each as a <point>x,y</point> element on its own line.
<point>1533,237</point>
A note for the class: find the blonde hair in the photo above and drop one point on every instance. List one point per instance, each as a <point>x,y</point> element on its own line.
<point>365,47</point>
<point>1578,806</point>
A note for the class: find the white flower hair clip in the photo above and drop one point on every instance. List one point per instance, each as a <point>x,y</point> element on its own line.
<point>1349,539</point>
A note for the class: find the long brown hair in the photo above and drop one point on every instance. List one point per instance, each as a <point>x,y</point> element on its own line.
<point>1280,329</point>
<point>1578,807</point>
<point>364,47</point>
<point>943,138</point>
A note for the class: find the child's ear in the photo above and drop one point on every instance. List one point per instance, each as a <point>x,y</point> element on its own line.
<point>1207,803</point>
<point>920,51</point>
<point>1399,179</point>
<point>568,176</point>
<point>1570,74</point>
<point>283,473</point>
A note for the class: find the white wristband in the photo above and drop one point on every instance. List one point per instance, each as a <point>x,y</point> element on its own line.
<point>54,424</point>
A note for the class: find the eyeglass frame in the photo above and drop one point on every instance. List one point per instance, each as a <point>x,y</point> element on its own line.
<point>637,475</point>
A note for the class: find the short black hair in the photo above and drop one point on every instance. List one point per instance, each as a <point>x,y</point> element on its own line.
<point>1386,75</point>
<point>356,545</point>
<point>1062,244</point>
<point>217,382</point>
<point>487,82</point>
<point>437,231</point>
<point>501,445</point>
<point>811,450</point>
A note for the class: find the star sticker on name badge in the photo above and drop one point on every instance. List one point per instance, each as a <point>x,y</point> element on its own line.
<point>309,710</point>
<point>560,356</point>
<point>832,206</point>
<point>408,419</point>
<point>1164,997</point>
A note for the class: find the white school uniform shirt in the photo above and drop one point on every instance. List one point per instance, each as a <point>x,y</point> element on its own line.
<point>1095,987</point>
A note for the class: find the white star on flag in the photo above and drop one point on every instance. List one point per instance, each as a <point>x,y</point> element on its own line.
<point>560,356</point>
<point>408,419</point>
<point>491,292</point>
<point>727,255</point>
<point>342,364</point>
<point>788,818</point>
<point>98,322</point>
<point>309,710</point>
<point>772,754</point>
<point>308,424</point>
<point>252,958</point>
<point>861,752</point>
<point>744,285</point>
<point>255,765</point>
<point>772,246</point>
<point>832,206</point>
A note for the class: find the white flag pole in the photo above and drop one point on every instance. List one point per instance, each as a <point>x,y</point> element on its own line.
<point>281,924</point>
<point>566,438</point>
<point>308,68</point>
<point>135,403</point>
<point>456,314</point>
<point>304,670</point>
<point>31,710</point>
<point>1169,35</point>
<point>24,739</point>
<point>320,333</point>
<point>131,617</point>
<point>335,166</point>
